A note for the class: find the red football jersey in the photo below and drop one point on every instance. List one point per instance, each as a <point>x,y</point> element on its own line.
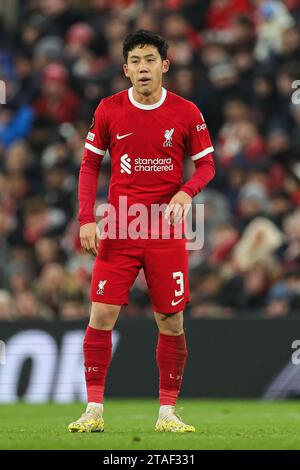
<point>147,145</point>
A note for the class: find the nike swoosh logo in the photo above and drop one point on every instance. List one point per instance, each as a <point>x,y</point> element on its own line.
<point>122,136</point>
<point>175,303</point>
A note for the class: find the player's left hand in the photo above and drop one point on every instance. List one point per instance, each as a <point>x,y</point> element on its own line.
<point>178,208</point>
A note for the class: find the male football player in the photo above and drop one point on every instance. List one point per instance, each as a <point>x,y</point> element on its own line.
<point>148,132</point>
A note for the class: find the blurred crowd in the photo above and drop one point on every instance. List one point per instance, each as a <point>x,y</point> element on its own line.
<point>239,61</point>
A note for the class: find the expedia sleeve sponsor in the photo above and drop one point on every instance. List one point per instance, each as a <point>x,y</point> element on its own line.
<point>199,143</point>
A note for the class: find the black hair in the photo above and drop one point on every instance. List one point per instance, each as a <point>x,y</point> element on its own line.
<point>142,38</point>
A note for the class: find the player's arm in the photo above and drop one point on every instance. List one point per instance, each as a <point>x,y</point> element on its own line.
<point>95,146</point>
<point>200,151</point>
<point>204,173</point>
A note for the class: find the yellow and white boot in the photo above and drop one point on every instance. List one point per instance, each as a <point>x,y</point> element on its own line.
<point>169,421</point>
<point>90,421</point>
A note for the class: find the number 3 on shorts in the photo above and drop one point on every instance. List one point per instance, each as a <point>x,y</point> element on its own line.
<point>178,276</point>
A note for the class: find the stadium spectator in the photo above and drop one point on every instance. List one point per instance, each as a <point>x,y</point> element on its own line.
<point>57,102</point>
<point>15,123</point>
<point>72,307</point>
<point>29,308</point>
<point>54,284</point>
<point>6,306</point>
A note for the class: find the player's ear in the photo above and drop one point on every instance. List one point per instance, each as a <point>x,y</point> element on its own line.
<point>165,65</point>
<point>125,68</point>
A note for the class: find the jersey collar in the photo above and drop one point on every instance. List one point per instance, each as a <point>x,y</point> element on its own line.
<point>147,107</point>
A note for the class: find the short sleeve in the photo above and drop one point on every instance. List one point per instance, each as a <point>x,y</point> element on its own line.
<point>97,140</point>
<point>199,143</point>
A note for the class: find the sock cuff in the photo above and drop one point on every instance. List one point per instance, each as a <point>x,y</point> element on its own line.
<point>172,340</point>
<point>94,334</point>
<point>96,404</point>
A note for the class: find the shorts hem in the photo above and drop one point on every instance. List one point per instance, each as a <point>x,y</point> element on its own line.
<point>109,301</point>
<point>169,310</point>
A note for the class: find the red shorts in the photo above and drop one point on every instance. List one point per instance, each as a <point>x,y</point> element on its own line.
<point>165,264</point>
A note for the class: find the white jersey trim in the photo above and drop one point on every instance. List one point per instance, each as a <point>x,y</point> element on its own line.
<point>202,154</point>
<point>147,107</point>
<point>94,149</point>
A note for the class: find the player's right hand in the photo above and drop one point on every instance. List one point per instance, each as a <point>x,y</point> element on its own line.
<point>89,238</point>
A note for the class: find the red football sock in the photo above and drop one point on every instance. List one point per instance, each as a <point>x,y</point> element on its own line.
<point>171,354</point>
<point>97,348</point>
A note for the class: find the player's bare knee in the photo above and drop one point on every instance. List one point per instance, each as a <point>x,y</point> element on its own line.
<point>170,324</point>
<point>104,316</point>
<point>171,331</point>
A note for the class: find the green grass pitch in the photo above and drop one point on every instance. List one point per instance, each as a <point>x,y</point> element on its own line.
<point>129,424</point>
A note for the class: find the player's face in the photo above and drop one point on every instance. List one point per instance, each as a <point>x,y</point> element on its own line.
<point>145,69</point>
